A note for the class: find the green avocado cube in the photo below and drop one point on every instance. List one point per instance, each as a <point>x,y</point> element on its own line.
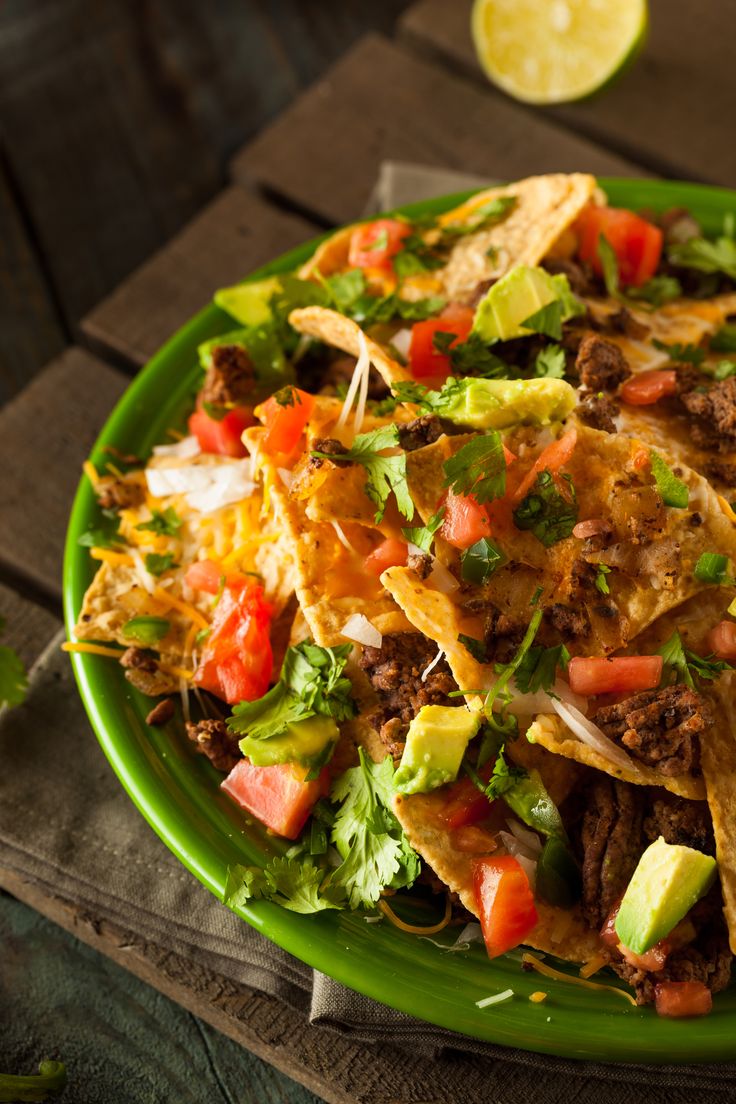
<point>668,881</point>
<point>435,745</point>
<point>248,303</point>
<point>501,404</point>
<point>305,742</point>
<point>517,296</point>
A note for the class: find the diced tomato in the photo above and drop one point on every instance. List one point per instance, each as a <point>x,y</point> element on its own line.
<point>505,902</point>
<point>550,459</point>
<point>236,659</point>
<point>591,675</point>
<point>636,242</point>
<point>204,575</point>
<point>647,388</point>
<point>608,932</point>
<point>465,805</point>
<point>722,640</point>
<point>682,998</point>
<point>651,960</point>
<point>465,521</point>
<point>285,415</point>
<point>424,359</point>
<point>224,436</point>
<point>278,796</point>
<point>591,527</point>
<point>389,553</point>
<point>373,244</point>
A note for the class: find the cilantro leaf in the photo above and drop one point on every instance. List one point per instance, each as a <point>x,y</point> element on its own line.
<point>477,648</point>
<point>724,341</point>
<point>375,853</point>
<point>682,665</point>
<point>609,264</point>
<point>474,357</point>
<point>104,536</point>
<point>345,288</point>
<point>538,668</point>
<point>297,885</point>
<point>166,523</point>
<point>157,563</point>
<point>547,320</point>
<point>146,630</point>
<point>657,291</point>
<point>384,473</point>
<point>601,582</point>
<point>724,369</point>
<point>501,723</point>
<point>368,309</point>
<point>416,255</point>
<point>672,490</point>
<point>423,536</point>
<point>406,391</point>
<point>478,468</point>
<point>13,678</point>
<point>487,214</point>
<point>478,562</point>
<point>706,256</point>
<point>503,779</point>
<point>550,363</point>
<point>681,354</point>
<point>546,512</point>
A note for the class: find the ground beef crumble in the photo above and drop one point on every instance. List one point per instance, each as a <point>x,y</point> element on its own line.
<point>713,415</point>
<point>424,430</point>
<point>395,671</point>
<point>598,411</point>
<point>335,450</point>
<point>214,739</point>
<point>658,727</point>
<point>230,378</point>
<point>120,494</point>
<point>600,364</point>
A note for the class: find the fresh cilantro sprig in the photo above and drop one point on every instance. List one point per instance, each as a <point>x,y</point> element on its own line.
<point>501,723</point>
<point>724,340</point>
<point>483,217</point>
<point>105,535</point>
<point>654,292</point>
<point>166,523</point>
<point>524,793</point>
<point>538,668</point>
<point>717,256</point>
<point>296,884</point>
<point>682,665</point>
<point>477,648</point>
<point>157,563</point>
<point>680,353</point>
<point>550,363</point>
<point>548,513</point>
<point>672,490</point>
<point>384,473</point>
<point>423,536</point>
<point>478,468</point>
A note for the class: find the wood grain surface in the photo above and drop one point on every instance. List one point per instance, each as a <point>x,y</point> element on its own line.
<point>46,433</point>
<point>380,102</point>
<point>234,234</point>
<point>668,112</point>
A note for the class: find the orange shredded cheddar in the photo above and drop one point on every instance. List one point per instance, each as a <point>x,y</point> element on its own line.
<point>549,971</point>
<point>92,649</point>
<point>183,607</point>
<point>115,559</point>
<point>414,929</point>
<point>538,997</point>
<point>589,968</point>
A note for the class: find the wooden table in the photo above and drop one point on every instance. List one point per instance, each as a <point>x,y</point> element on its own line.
<point>79,208</point>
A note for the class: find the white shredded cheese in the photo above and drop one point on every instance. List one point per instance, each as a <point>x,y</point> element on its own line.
<point>524,835</point>
<point>589,733</point>
<point>206,487</point>
<point>147,580</point>
<point>340,532</point>
<point>497,998</point>
<point>362,367</point>
<point>363,395</point>
<point>360,629</point>
<point>401,342</point>
<point>287,477</point>
<point>182,450</point>
<point>432,665</point>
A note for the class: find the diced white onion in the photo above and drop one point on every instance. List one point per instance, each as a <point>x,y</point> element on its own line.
<point>432,665</point>
<point>562,690</point>
<point>362,366</point>
<point>591,735</point>
<point>206,487</point>
<point>182,450</point>
<point>515,847</point>
<point>147,580</point>
<point>497,998</point>
<point>529,866</point>
<point>401,342</point>
<point>528,704</point>
<point>526,836</point>
<point>442,579</point>
<point>471,933</point>
<point>341,536</point>
<point>360,629</point>
<point>287,477</point>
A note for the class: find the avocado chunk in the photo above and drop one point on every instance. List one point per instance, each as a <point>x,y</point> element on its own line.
<point>435,745</point>
<point>501,404</point>
<point>517,296</point>
<point>249,303</point>
<point>666,884</point>
<point>309,742</point>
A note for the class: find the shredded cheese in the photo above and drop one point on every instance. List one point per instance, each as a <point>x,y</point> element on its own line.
<point>178,672</point>
<point>549,971</point>
<point>362,368</point>
<point>497,998</point>
<point>430,667</point>
<point>91,472</point>
<point>183,607</point>
<point>593,966</point>
<point>91,649</point>
<point>114,559</point>
<point>414,929</point>
<point>538,997</point>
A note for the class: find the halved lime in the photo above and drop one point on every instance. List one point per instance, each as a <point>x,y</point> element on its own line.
<point>553,51</point>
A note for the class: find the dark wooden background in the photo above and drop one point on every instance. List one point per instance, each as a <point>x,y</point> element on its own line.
<point>151,151</point>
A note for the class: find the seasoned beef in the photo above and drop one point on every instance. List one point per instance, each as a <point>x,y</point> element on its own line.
<point>579,275</point>
<point>722,472</point>
<point>680,822</point>
<point>713,415</point>
<point>420,563</point>
<point>679,226</point>
<point>161,713</point>
<point>622,321</point>
<point>597,411</point>
<point>501,636</point>
<point>422,431</point>
<point>570,623</point>
<point>600,364</point>
<point>611,840</point>
<point>392,735</point>
<point>334,450</point>
<point>213,739</point>
<point>121,495</point>
<point>230,378</point>
<point>138,659</point>
<point>706,959</point>
<point>659,727</point>
<point>395,671</point>
<point>337,373</point>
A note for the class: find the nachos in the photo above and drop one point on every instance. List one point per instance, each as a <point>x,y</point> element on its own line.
<point>442,571</point>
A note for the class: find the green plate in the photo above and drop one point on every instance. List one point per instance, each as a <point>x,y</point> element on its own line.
<point>177,791</point>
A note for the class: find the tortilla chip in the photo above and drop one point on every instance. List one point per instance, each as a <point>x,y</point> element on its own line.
<point>342,333</point>
<point>545,207</point>
<point>718,759</point>
<point>330,256</point>
<point>561,932</point>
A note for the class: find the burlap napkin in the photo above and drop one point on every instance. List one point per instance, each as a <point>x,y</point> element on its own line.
<point>66,823</point>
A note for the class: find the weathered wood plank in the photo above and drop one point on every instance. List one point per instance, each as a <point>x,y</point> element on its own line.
<point>29,324</point>
<point>46,433</point>
<point>119,117</point>
<point>233,235</point>
<point>26,626</point>
<point>667,112</point>
<point>379,102</point>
